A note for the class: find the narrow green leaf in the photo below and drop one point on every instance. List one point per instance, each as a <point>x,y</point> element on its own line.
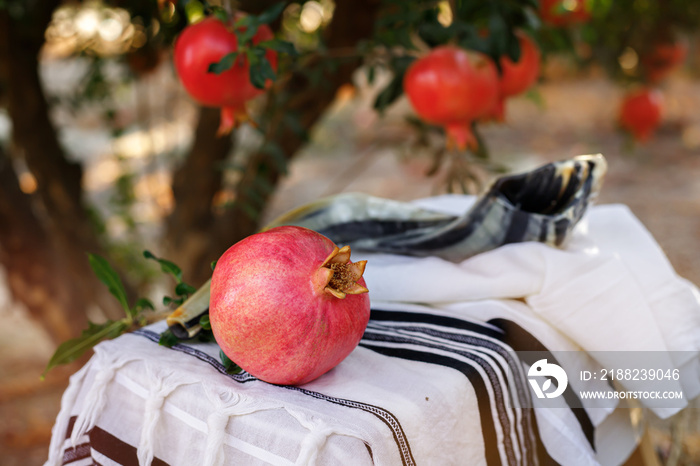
<point>246,35</point>
<point>204,322</point>
<point>245,21</point>
<point>279,45</point>
<point>206,336</point>
<point>371,74</point>
<point>167,301</point>
<point>168,339</point>
<point>230,366</point>
<point>183,289</point>
<point>498,36</point>
<point>166,266</point>
<point>72,349</point>
<point>260,72</point>
<point>389,94</point>
<point>143,304</point>
<point>226,63</point>
<point>107,275</point>
<point>271,13</point>
<point>219,13</point>
<point>213,265</point>
<point>513,48</point>
<point>434,33</point>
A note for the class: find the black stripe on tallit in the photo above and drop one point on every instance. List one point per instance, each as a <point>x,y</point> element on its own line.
<point>491,329</point>
<point>482,396</point>
<point>360,229</point>
<point>449,235</point>
<point>106,444</point>
<point>76,453</point>
<point>478,343</point>
<point>474,378</point>
<point>384,415</point>
<point>381,315</point>
<point>521,340</point>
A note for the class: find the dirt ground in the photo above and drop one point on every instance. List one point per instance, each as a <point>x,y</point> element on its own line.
<point>355,150</point>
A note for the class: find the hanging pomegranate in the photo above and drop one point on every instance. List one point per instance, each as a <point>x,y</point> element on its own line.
<point>562,13</point>
<point>287,305</point>
<point>452,87</point>
<point>663,58</point>
<point>516,77</point>
<point>640,113</point>
<point>207,42</point>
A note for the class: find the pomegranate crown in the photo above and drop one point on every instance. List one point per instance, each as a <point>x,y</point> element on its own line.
<point>342,275</point>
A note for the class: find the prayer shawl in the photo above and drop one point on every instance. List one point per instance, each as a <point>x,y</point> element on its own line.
<point>437,378</point>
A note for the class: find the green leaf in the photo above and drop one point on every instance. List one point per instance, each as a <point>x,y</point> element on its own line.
<point>279,45</point>
<point>513,48</point>
<point>260,72</point>
<point>226,63</point>
<point>390,93</point>
<point>167,301</point>
<point>168,339</point>
<point>230,366</point>
<point>213,265</point>
<point>107,275</point>
<point>206,336</point>
<point>371,74</point>
<point>395,87</point>
<point>72,349</point>
<point>434,33</point>
<point>204,322</point>
<point>245,21</point>
<point>166,266</point>
<point>246,36</point>
<point>219,13</point>
<point>183,289</point>
<point>141,305</point>
<point>498,35</point>
<point>271,14</point>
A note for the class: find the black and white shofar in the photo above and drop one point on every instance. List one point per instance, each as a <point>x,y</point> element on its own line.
<point>542,205</point>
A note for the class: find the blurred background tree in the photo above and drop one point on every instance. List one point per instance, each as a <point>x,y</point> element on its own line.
<point>218,188</point>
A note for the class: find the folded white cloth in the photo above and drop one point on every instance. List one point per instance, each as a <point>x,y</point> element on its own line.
<point>436,379</point>
<point>610,289</point>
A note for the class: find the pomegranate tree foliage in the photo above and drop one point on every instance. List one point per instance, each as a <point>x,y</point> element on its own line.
<point>403,30</point>
<point>487,27</point>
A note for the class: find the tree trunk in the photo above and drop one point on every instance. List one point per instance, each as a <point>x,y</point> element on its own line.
<point>303,98</point>
<point>33,273</point>
<point>195,183</point>
<point>68,231</point>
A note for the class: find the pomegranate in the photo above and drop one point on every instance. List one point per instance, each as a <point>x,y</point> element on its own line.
<point>663,58</point>
<point>287,305</point>
<point>562,13</point>
<point>640,113</point>
<point>516,77</point>
<point>207,42</point>
<point>452,87</point>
